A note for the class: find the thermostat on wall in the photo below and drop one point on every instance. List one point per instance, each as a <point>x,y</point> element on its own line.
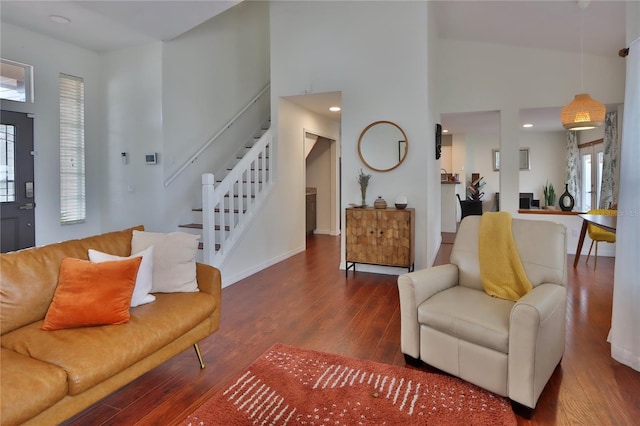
<point>151,158</point>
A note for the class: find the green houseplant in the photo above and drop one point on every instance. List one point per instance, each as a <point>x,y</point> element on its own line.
<point>549,195</point>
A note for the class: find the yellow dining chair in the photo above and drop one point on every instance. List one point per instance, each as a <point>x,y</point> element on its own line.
<point>598,234</point>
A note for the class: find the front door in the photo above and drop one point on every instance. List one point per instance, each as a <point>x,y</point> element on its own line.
<point>17,201</point>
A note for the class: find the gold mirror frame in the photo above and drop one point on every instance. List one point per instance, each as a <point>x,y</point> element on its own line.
<point>400,144</point>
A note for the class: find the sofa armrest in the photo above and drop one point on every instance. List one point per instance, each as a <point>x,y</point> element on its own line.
<point>210,281</point>
<point>414,288</point>
<point>536,341</point>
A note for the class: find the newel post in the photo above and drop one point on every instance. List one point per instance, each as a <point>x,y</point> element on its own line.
<point>208,218</point>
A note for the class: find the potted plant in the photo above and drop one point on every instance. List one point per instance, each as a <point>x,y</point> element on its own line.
<point>549,196</point>
<point>363,180</point>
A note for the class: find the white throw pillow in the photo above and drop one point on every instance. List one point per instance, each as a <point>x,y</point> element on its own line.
<point>174,259</point>
<point>143,279</point>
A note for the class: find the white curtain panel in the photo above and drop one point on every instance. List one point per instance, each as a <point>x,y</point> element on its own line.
<point>624,335</point>
<point>609,187</point>
<point>572,177</point>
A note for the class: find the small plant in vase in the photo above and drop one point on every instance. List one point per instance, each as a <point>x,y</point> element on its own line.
<point>549,196</point>
<point>363,180</point>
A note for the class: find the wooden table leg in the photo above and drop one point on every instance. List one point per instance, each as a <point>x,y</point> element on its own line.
<point>583,232</point>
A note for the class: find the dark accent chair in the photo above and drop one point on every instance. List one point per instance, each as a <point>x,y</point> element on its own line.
<point>470,207</point>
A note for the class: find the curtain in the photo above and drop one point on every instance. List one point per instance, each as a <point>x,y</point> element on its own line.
<point>624,335</point>
<point>572,177</point>
<point>609,187</point>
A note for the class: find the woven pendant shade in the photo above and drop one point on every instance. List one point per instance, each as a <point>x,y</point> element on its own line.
<point>583,113</point>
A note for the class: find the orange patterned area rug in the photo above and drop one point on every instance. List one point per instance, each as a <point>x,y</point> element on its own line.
<point>293,386</point>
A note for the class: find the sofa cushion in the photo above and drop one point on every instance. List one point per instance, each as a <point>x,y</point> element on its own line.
<point>470,315</point>
<point>92,293</point>
<point>90,355</point>
<point>28,386</point>
<point>143,279</point>
<point>29,277</point>
<point>174,259</point>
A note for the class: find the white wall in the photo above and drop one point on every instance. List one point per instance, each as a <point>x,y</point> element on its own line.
<point>446,154</point>
<point>486,77</point>
<point>366,60</point>
<point>548,159</point>
<point>279,231</point>
<point>49,58</point>
<point>547,155</point>
<point>133,193</point>
<point>632,13</point>
<point>208,75</point>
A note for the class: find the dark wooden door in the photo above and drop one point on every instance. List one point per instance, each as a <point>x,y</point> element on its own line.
<point>17,200</point>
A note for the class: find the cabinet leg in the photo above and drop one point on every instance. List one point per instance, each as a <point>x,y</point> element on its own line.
<point>346,270</point>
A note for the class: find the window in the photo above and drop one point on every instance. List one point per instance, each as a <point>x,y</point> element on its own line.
<point>72,167</point>
<point>7,163</point>
<point>16,81</point>
<point>591,158</point>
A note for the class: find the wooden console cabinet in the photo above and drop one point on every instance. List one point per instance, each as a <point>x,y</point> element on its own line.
<point>380,237</point>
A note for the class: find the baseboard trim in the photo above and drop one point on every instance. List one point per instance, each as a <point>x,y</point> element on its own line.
<point>257,268</point>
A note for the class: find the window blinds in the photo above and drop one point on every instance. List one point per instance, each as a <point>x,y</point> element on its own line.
<point>72,151</point>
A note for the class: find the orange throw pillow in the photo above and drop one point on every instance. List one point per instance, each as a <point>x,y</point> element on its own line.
<point>92,293</point>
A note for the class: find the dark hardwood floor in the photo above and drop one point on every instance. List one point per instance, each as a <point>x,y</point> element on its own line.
<point>306,301</point>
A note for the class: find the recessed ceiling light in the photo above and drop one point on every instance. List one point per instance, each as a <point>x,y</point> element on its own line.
<point>445,131</point>
<point>59,19</point>
<point>528,125</point>
<point>334,109</point>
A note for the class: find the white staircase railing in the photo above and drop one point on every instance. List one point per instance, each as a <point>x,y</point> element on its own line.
<point>229,206</point>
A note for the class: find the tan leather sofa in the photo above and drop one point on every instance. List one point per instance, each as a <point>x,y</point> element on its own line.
<point>48,376</point>
<point>509,348</point>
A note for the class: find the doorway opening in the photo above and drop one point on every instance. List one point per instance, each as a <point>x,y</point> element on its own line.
<point>322,186</point>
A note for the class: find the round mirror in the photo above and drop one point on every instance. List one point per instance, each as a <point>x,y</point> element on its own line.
<point>383,146</point>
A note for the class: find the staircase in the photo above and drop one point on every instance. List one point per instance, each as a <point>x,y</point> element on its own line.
<point>232,198</point>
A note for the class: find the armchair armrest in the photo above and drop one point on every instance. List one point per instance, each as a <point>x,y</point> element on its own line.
<point>536,341</point>
<point>414,288</point>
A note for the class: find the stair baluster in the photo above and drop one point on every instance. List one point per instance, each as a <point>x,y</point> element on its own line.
<point>236,200</point>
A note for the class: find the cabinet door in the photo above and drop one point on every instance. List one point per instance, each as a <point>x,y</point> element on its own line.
<point>361,236</point>
<point>395,237</point>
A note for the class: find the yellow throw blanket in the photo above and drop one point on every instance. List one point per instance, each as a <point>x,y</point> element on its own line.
<point>501,270</point>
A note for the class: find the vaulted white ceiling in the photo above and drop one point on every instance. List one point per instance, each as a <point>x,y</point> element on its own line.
<point>108,25</point>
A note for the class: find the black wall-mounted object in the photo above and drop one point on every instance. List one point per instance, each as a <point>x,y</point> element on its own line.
<point>438,140</point>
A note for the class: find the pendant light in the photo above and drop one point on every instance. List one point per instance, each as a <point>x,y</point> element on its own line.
<point>583,113</point>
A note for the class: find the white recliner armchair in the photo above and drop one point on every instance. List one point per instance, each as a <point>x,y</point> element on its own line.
<point>509,348</point>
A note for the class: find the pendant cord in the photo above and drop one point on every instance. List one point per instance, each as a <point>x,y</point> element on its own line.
<point>582,51</point>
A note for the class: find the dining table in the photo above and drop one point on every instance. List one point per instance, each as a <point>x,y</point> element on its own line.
<point>606,222</point>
